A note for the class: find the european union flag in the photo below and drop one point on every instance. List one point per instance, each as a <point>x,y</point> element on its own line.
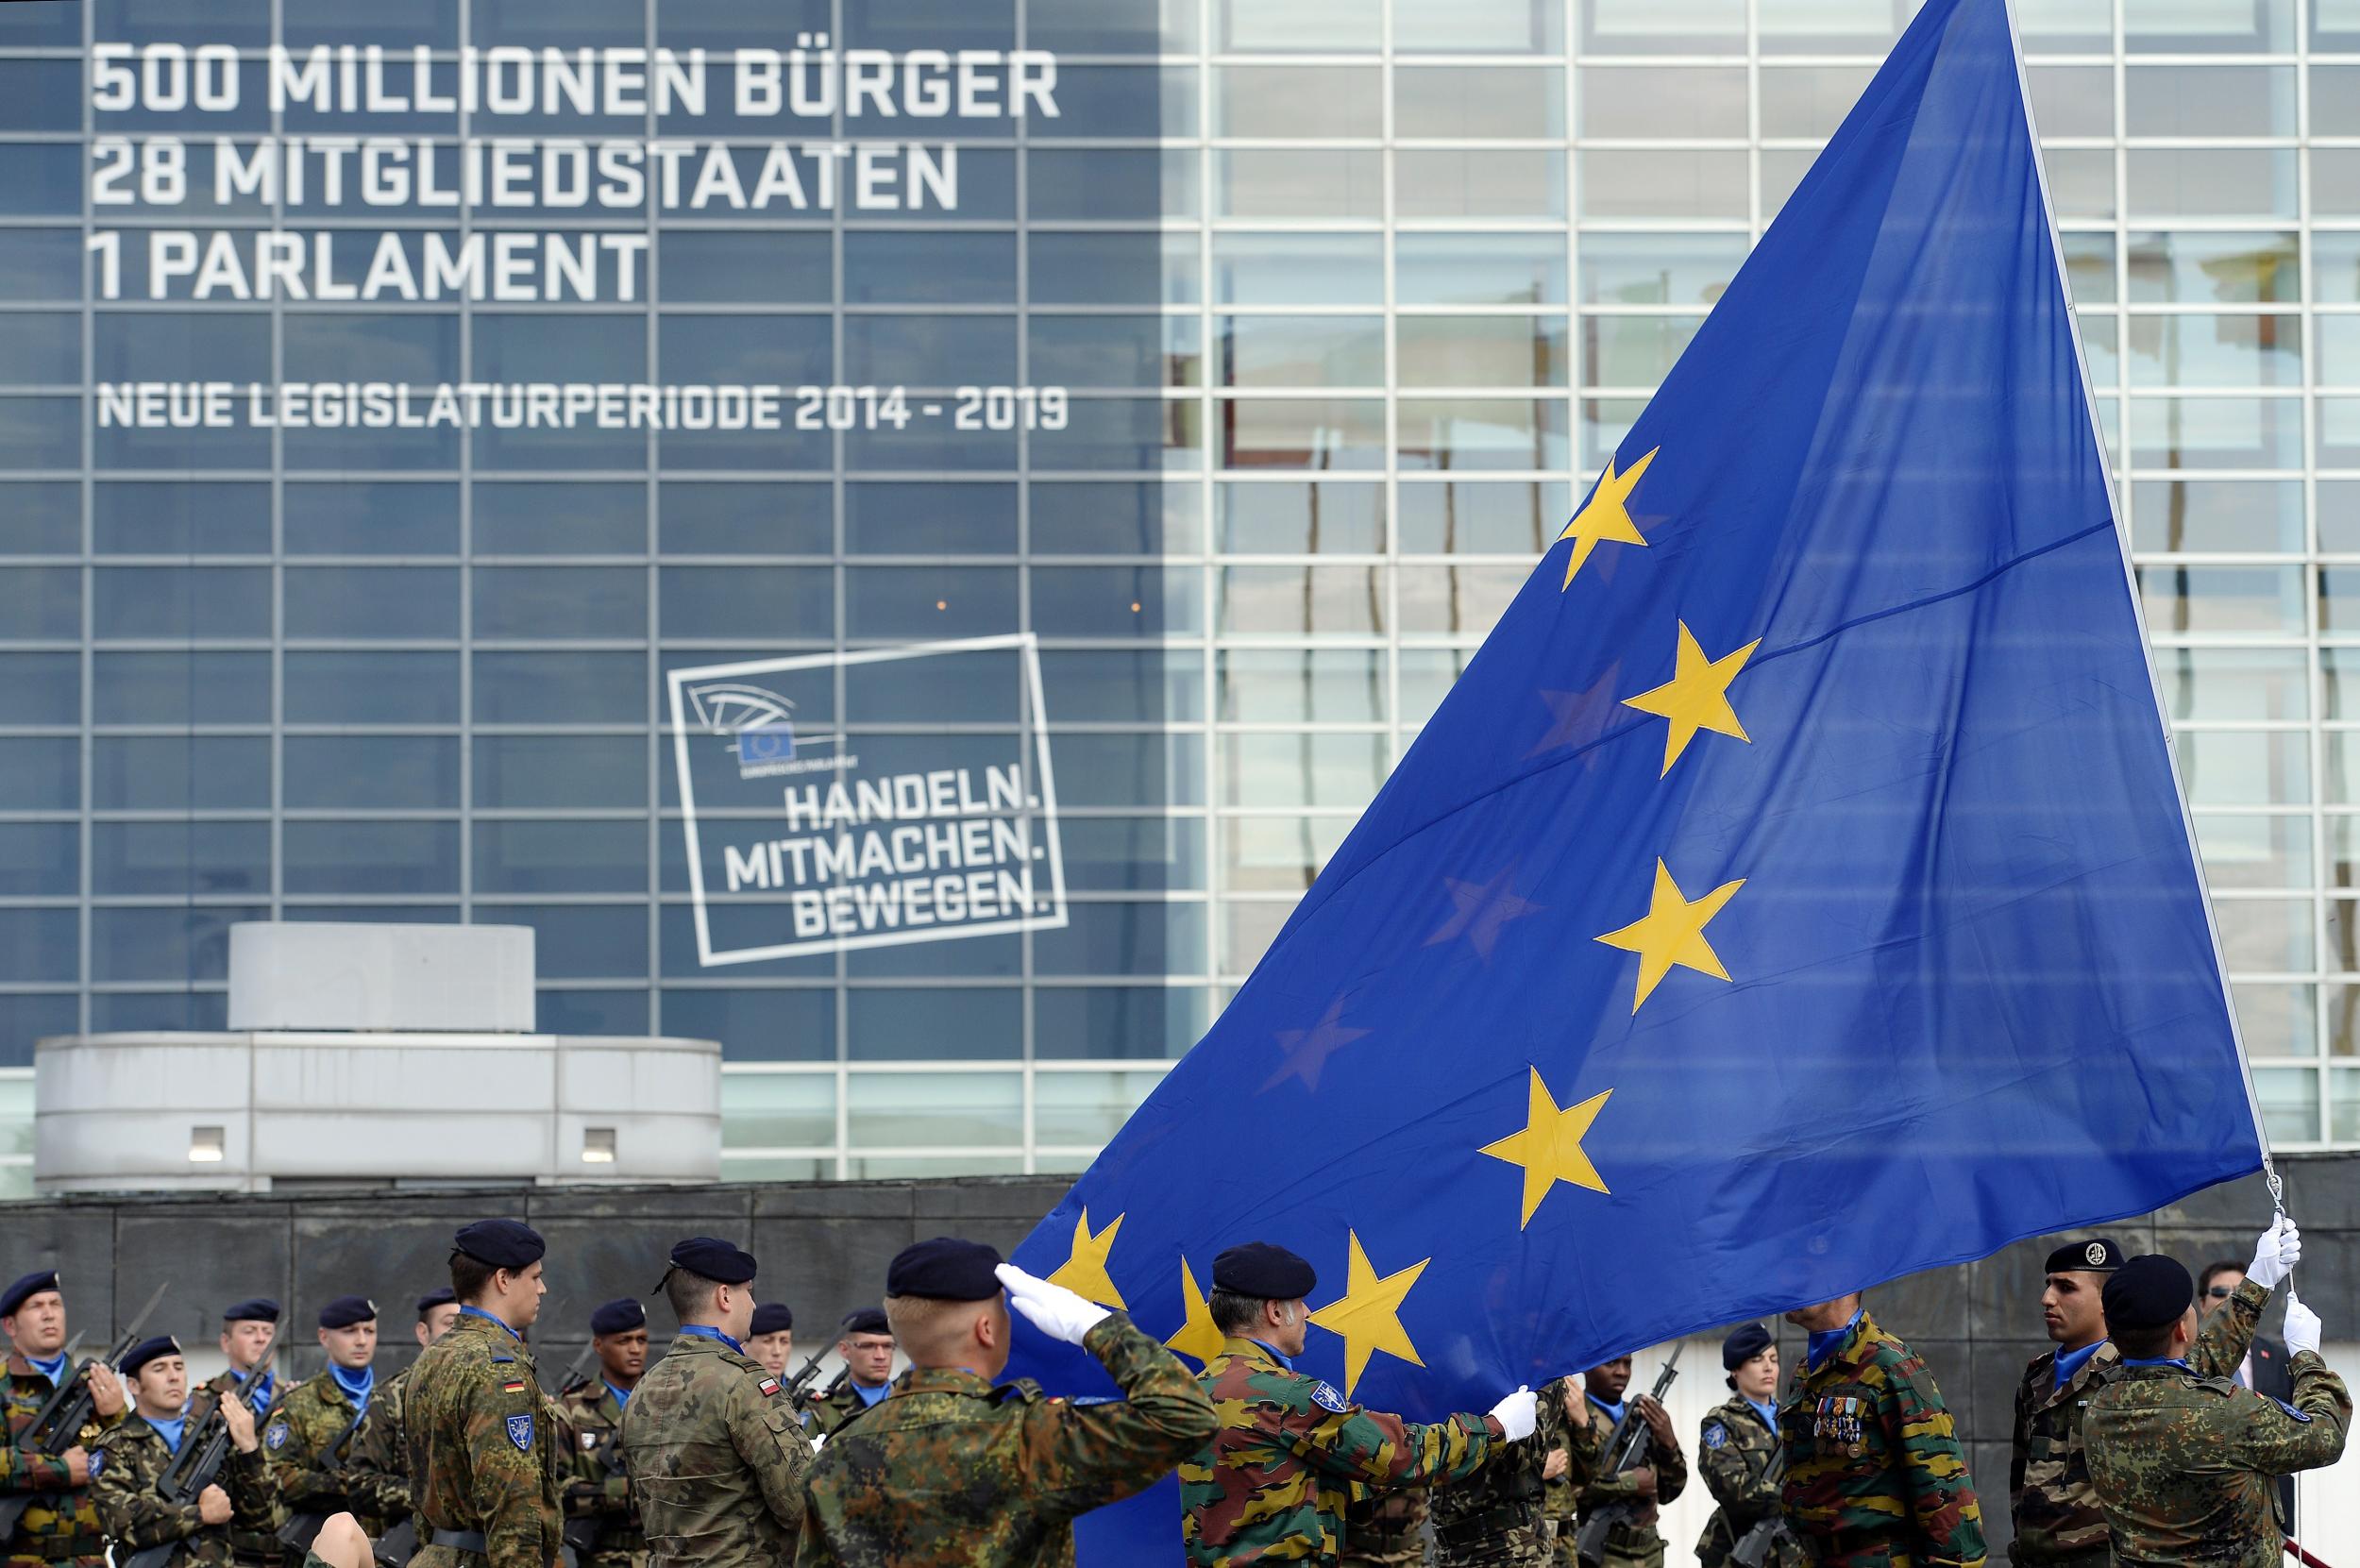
<point>1793,893</point>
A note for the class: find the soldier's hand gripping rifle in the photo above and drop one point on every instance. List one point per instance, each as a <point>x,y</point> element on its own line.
<point>301,1529</point>
<point>580,1533</point>
<point>1625,1451</point>
<point>58,1424</point>
<point>196,1466</point>
<point>1757,1546</point>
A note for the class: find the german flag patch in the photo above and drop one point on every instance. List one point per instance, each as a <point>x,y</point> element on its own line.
<point>513,1386</point>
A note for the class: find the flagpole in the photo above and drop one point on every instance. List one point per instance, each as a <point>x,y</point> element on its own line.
<point>2138,614</point>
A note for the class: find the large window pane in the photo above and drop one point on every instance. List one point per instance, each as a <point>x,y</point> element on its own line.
<point>934,1111</point>
<point>1516,103</point>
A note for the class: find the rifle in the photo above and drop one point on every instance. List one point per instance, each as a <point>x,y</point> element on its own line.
<point>301,1529</point>
<point>581,1532</point>
<point>804,1375</point>
<point>1756,1547</point>
<point>196,1466</point>
<point>1625,1450</point>
<point>58,1424</point>
<point>573,1379</point>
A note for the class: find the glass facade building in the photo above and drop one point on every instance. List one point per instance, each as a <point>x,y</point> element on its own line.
<point>1346,300</point>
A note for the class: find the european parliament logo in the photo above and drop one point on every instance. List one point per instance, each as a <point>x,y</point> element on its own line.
<point>758,723</point>
<point>763,750</point>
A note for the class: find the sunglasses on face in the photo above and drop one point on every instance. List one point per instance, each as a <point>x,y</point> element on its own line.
<point>2221,1292</point>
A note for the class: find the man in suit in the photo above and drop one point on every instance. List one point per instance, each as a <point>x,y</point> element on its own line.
<point>2264,1371</point>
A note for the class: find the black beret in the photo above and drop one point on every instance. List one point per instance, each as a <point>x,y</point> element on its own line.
<point>508,1244</point>
<point>1745,1342</point>
<point>2151,1292</point>
<point>1261,1269</point>
<point>24,1290</point>
<point>618,1317</point>
<point>709,1258</point>
<point>941,1268</point>
<point>146,1350</point>
<point>345,1311</point>
<point>871,1319</point>
<point>773,1317</point>
<point>259,1309</point>
<point>2098,1256</point>
<point>441,1296</point>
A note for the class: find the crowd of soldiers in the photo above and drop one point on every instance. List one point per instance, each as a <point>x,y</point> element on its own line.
<point>2140,1439</point>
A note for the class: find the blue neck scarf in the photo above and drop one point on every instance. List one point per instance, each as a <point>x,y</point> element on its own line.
<point>256,1391</point>
<point>170,1431</point>
<point>52,1369</point>
<point>1617,1410</point>
<point>1769,1412</point>
<point>1824,1342</point>
<point>1278,1355</point>
<point>622,1396</point>
<point>2070,1362</point>
<point>869,1396</point>
<point>479,1312</point>
<point>706,1331</point>
<point>358,1385</point>
<point>2158,1361</point>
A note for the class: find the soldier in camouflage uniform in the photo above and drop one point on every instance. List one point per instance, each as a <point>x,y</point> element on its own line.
<point>867,1346</point>
<point>1292,1454</point>
<point>485,1465</point>
<point>1637,1493</point>
<point>1875,1472</point>
<point>953,1471</point>
<point>378,1461</point>
<point>133,1457</point>
<point>2182,1463</point>
<point>1736,1447</point>
<point>61,1525</point>
<point>1498,1515</point>
<point>309,1438</point>
<point>2058,1521</point>
<point>249,1329</point>
<point>598,1512</point>
<point>712,1446</point>
<point>1387,1529</point>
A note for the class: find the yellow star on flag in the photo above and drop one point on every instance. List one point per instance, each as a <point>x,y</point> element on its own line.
<point>1369,1316</point>
<point>1673,933</point>
<point>1084,1273</point>
<point>1697,696</point>
<point>1549,1148</point>
<point>1606,518</point>
<point>1198,1339</point>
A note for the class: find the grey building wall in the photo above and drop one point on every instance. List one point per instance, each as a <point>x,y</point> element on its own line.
<point>824,1247</point>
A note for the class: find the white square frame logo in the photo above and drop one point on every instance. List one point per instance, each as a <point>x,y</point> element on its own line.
<point>1028,648</point>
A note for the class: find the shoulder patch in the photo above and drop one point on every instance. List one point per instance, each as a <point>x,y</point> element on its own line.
<point>1022,1389</point>
<point>1326,1398</point>
<point>1716,1436</point>
<point>769,1386</point>
<point>2304,1416</point>
<point>501,1360</point>
<point>276,1437</point>
<point>98,1460</point>
<point>520,1433</point>
<point>514,1385</point>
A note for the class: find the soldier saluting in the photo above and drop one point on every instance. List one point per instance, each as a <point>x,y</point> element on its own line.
<point>483,1464</point>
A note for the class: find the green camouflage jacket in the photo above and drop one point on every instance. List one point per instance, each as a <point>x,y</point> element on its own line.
<point>123,1488</point>
<point>309,1441</point>
<point>2181,1463</point>
<point>716,1456</point>
<point>62,1525</point>
<point>1497,1515</point>
<point>377,1462</point>
<point>483,1455</point>
<point>1734,1447</point>
<point>829,1415</point>
<point>1291,1454</point>
<point>597,1486</point>
<point>950,1472</point>
<point>1875,1472</point>
<point>1636,1541</point>
<point>2057,1520</point>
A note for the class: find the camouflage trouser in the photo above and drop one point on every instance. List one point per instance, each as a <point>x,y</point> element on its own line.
<point>1625,1548</point>
<point>1519,1546</point>
<point>1385,1532</point>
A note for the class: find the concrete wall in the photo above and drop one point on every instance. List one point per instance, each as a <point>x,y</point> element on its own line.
<point>824,1248</point>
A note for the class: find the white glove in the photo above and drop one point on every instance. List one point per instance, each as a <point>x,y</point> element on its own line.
<point>1518,1414</point>
<point>2276,1254</point>
<point>817,1439</point>
<point>1051,1308</point>
<point>2302,1327</point>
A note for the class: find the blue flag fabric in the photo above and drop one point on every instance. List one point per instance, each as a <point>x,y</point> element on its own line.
<point>1793,893</point>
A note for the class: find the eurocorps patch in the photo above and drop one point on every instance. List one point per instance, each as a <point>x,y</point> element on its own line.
<point>99,1461</point>
<point>276,1437</point>
<point>520,1433</point>
<point>1326,1398</point>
